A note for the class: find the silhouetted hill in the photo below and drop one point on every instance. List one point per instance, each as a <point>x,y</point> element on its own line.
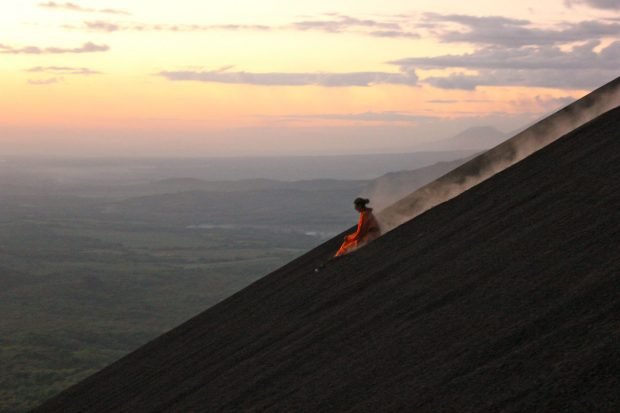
<point>505,298</point>
<point>178,185</point>
<point>322,202</point>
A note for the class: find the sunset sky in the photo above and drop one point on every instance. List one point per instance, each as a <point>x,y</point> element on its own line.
<point>205,78</point>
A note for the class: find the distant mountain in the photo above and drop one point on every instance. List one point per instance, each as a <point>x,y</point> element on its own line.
<point>178,185</point>
<point>326,202</point>
<point>477,138</point>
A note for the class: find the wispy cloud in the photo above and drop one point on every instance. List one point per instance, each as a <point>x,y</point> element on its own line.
<point>45,82</point>
<point>546,103</point>
<point>508,32</point>
<point>387,116</point>
<point>109,27</point>
<point>102,26</point>
<point>543,66</point>
<point>587,79</point>
<point>443,101</point>
<point>447,28</point>
<point>328,23</point>
<point>597,4</point>
<point>77,8</point>
<point>394,34</point>
<point>63,70</point>
<point>529,58</point>
<point>407,77</point>
<point>85,48</point>
<point>339,23</point>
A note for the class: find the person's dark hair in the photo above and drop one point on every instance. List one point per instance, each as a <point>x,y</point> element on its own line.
<point>361,202</point>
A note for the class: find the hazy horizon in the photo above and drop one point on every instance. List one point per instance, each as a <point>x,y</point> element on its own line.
<point>91,171</point>
<point>276,142</point>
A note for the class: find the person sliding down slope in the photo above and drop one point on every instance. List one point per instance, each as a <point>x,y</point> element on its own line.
<point>367,229</point>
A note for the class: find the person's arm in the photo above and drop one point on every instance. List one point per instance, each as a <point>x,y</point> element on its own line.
<point>362,228</point>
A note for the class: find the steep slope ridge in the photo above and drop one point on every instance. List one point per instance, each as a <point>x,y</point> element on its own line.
<point>505,298</point>
<point>502,156</point>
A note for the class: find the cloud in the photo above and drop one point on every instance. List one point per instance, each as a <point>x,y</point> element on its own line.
<point>330,23</point>
<point>109,27</point>
<point>342,23</point>
<point>442,101</point>
<point>44,82</point>
<point>527,58</point>
<point>394,34</point>
<point>456,81</point>
<point>338,23</point>
<point>102,26</point>
<point>85,48</point>
<point>543,66</point>
<point>507,32</point>
<point>546,103</point>
<point>387,116</point>
<point>63,6</point>
<point>406,77</point>
<point>587,79</point>
<point>63,70</point>
<point>597,4</point>
<point>75,7</point>
<point>114,11</point>
<point>394,27</point>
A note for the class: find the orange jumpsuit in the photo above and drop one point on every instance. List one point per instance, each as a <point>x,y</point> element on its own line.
<point>367,230</point>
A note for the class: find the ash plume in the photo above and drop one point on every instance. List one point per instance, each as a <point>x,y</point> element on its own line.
<point>502,156</point>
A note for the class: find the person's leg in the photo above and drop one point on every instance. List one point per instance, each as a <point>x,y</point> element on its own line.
<point>346,247</point>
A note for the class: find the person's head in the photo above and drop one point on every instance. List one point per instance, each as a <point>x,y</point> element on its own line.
<point>360,204</point>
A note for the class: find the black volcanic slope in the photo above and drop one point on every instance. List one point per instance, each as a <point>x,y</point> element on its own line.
<point>504,299</point>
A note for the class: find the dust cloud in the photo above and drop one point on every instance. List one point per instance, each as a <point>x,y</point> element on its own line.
<point>502,156</point>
